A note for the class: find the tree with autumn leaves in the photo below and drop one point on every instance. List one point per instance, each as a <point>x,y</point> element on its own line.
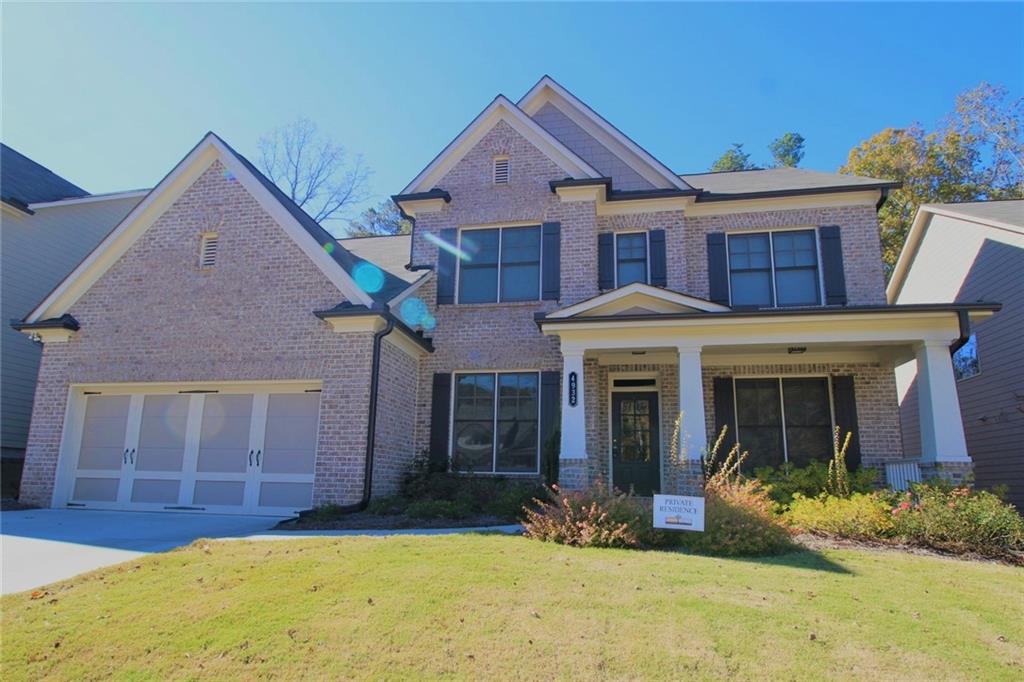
<point>975,154</point>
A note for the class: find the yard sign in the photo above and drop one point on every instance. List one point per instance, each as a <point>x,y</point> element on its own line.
<point>678,512</point>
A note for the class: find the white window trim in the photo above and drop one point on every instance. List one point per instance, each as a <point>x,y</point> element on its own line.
<point>500,228</point>
<point>656,388</point>
<point>771,256</point>
<point>494,444</point>
<point>615,253</point>
<point>782,404</point>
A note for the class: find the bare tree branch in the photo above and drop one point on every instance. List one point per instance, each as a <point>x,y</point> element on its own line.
<point>315,172</point>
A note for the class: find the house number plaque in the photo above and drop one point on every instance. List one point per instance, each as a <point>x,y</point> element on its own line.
<point>572,389</point>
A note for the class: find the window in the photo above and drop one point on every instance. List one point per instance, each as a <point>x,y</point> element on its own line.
<point>501,168</point>
<point>495,423</point>
<point>768,269</point>
<point>208,250</point>
<point>500,264</point>
<point>965,360</point>
<point>784,420</point>
<point>630,258</point>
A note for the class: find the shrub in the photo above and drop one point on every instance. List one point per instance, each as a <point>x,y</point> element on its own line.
<point>387,506</point>
<point>596,517</point>
<point>438,509</point>
<point>861,516</point>
<point>959,520</point>
<point>810,481</point>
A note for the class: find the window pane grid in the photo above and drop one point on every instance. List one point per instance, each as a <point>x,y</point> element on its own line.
<point>784,420</point>
<point>631,258</point>
<point>496,431</point>
<point>501,264</point>
<point>774,268</point>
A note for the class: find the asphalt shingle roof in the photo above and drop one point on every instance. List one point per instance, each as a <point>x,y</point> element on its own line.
<point>776,180</point>
<point>27,182</point>
<point>1010,212</point>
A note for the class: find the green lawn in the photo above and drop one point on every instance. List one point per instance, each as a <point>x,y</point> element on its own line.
<point>497,607</point>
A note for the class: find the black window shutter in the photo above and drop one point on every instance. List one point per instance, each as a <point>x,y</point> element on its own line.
<point>844,401</point>
<point>606,261</point>
<point>659,276</point>
<point>725,414</point>
<point>446,268</point>
<point>718,268</point>
<point>440,409</point>
<point>832,265</point>
<point>551,261</point>
<point>550,415</point>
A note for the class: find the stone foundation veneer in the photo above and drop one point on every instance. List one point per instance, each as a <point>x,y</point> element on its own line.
<point>957,473</point>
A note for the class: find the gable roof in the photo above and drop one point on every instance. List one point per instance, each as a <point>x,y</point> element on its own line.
<point>337,263</point>
<point>637,296</point>
<point>24,182</point>
<point>777,181</point>
<point>391,254</point>
<point>998,215</point>
<point>500,109</point>
<point>636,157</point>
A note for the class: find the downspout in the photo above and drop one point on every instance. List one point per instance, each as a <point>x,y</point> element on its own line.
<point>965,331</point>
<point>371,421</point>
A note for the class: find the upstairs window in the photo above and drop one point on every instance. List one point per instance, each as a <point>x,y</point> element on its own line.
<point>208,250</point>
<point>501,169</point>
<point>500,264</point>
<point>630,258</point>
<point>768,269</point>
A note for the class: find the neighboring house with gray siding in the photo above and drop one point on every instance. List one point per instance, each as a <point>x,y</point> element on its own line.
<point>220,351</point>
<point>48,226</point>
<point>967,253</point>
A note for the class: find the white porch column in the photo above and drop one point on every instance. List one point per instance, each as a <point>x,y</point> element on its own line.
<point>694,438</point>
<point>942,428</point>
<point>574,423</point>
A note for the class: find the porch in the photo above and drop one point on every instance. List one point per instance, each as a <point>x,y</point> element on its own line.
<point>635,361</point>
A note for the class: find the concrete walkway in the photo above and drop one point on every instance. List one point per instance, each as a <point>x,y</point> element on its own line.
<point>41,546</point>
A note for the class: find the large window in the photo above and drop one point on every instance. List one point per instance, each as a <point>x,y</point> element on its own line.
<point>784,420</point>
<point>630,258</point>
<point>495,423</point>
<point>500,264</point>
<point>768,269</point>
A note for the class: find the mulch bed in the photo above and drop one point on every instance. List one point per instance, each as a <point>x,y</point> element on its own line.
<point>367,521</point>
<point>818,542</point>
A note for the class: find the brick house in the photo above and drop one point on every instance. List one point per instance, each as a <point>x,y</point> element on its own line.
<point>220,351</point>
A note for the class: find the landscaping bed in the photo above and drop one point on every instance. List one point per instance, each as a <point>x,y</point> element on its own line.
<point>370,521</point>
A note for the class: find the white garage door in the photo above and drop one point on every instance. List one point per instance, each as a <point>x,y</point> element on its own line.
<point>229,450</point>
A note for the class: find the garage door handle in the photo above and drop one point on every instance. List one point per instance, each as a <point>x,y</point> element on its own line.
<point>125,456</point>
<point>258,453</point>
<point>131,456</point>
<point>250,457</point>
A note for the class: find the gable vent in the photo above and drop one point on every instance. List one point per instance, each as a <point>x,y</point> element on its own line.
<point>501,170</point>
<point>208,251</point>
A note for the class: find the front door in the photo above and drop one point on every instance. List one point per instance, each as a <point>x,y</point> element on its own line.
<point>636,448</point>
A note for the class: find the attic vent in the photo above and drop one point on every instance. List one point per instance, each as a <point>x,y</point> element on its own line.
<point>208,250</point>
<point>501,170</point>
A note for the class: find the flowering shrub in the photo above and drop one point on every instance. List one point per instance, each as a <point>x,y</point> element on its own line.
<point>597,517</point>
<point>861,516</point>
<point>958,520</point>
<point>738,521</point>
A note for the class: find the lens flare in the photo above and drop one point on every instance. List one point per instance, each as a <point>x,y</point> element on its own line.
<point>428,322</point>
<point>450,248</point>
<point>412,311</point>
<point>228,175</point>
<point>329,247</point>
<point>369,277</point>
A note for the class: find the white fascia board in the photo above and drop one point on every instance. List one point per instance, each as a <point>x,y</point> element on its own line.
<point>600,129</point>
<point>638,288</point>
<point>158,200</point>
<point>907,254</point>
<point>501,109</point>
<point>92,198</point>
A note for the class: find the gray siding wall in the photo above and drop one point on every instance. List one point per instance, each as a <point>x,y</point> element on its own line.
<point>992,403</point>
<point>38,251</point>
<point>590,150</point>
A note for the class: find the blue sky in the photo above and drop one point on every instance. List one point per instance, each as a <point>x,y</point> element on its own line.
<point>112,96</point>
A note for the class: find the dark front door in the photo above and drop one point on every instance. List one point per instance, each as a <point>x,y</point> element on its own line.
<point>636,458</point>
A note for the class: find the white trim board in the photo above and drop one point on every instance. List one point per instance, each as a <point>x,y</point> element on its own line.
<point>500,109</point>
<point>161,198</point>
<point>656,294</point>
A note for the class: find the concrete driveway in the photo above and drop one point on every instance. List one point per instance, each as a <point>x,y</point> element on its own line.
<point>40,546</point>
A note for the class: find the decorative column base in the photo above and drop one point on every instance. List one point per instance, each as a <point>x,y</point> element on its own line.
<point>957,473</point>
<point>685,478</point>
<point>573,474</point>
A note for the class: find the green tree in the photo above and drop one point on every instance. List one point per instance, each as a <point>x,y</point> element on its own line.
<point>976,154</point>
<point>384,219</point>
<point>735,159</point>
<point>787,150</point>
